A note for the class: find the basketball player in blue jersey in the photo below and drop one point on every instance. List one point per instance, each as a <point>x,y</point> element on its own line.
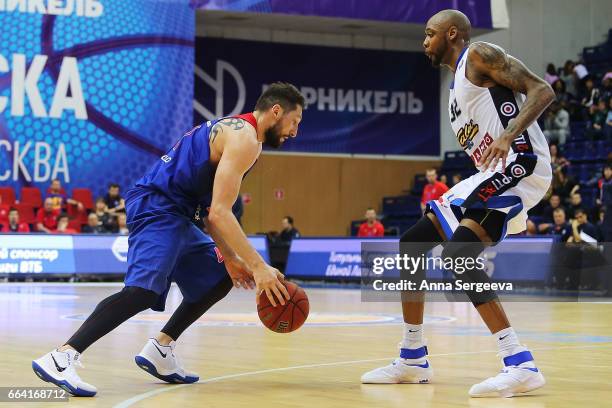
<point>199,178</point>
<point>493,106</point>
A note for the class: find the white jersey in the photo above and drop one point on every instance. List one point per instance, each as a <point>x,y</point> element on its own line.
<point>478,116</point>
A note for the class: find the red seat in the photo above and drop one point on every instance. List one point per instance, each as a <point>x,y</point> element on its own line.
<point>75,225</point>
<point>4,210</point>
<point>26,213</point>
<point>7,195</point>
<point>84,196</point>
<point>77,215</point>
<point>32,196</point>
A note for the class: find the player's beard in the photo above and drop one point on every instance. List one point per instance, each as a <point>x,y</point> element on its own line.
<point>273,136</point>
<point>436,59</point>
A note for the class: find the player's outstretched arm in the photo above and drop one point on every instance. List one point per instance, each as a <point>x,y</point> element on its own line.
<point>240,151</point>
<point>490,62</point>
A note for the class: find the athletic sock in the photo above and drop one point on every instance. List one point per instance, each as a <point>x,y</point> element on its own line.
<point>508,344</point>
<point>413,350</point>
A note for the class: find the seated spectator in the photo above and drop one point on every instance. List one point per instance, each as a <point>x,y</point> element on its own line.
<point>608,128</point>
<point>444,179</point>
<point>59,197</point>
<point>94,226</point>
<point>104,218</point>
<point>13,224</point>
<point>598,114</point>
<point>122,224</point>
<point>561,95</point>
<point>46,217</point>
<point>554,202</point>
<point>590,94</point>
<point>556,124</point>
<point>433,189</point>
<point>582,229</point>
<point>605,179</point>
<point>551,74</point>
<point>557,160</point>
<point>289,231</point>
<point>560,226</point>
<point>114,202</point>
<point>456,179</point>
<point>601,227</point>
<point>563,185</point>
<point>574,205</point>
<point>62,225</point>
<point>606,91</point>
<point>569,77</point>
<point>371,227</point>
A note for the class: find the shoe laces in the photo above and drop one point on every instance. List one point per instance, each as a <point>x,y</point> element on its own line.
<point>77,361</point>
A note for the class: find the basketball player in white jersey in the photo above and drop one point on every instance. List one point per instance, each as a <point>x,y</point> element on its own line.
<point>493,106</point>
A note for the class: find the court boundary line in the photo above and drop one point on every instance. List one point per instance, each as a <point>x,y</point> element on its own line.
<point>140,397</point>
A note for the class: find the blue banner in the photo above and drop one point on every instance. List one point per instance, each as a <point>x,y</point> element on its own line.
<point>92,91</point>
<point>479,11</point>
<point>74,254</point>
<point>359,101</point>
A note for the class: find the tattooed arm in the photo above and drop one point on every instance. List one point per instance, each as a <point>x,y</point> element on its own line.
<point>490,65</point>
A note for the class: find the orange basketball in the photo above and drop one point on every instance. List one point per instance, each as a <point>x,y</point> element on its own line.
<point>287,318</point>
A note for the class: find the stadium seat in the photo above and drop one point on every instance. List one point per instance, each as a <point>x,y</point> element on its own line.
<point>26,213</point>
<point>85,196</point>
<point>419,184</point>
<point>4,210</point>
<point>77,215</point>
<point>402,205</point>
<point>31,195</point>
<point>8,196</point>
<point>75,225</point>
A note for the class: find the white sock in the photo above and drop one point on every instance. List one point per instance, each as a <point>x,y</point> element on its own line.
<point>413,336</point>
<point>508,344</point>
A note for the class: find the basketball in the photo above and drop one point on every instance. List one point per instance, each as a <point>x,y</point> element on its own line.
<point>287,318</point>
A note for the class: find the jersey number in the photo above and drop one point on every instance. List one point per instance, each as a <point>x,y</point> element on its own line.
<point>454,111</point>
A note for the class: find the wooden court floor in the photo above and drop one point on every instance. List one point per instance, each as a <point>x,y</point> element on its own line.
<point>241,364</point>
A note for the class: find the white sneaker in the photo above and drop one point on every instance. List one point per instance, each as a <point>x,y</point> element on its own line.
<point>161,362</point>
<point>58,367</point>
<point>402,370</point>
<point>513,379</point>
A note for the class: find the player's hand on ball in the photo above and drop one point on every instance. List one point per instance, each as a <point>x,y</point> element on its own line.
<point>239,272</point>
<point>498,150</point>
<point>270,281</point>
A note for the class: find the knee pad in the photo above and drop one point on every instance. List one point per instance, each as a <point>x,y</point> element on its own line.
<point>463,248</point>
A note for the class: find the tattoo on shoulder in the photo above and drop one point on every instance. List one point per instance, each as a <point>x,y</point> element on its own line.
<point>235,123</point>
<point>215,132</point>
<point>492,56</point>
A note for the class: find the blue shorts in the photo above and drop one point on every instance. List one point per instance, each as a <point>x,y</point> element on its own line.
<point>165,247</point>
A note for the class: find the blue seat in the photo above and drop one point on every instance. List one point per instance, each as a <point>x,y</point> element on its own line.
<point>402,206</point>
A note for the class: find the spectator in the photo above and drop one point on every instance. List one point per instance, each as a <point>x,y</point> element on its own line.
<point>556,124</point>
<point>46,217</point>
<point>62,225</point>
<point>104,218</point>
<point>122,224</point>
<point>13,224</point>
<point>371,227</point>
<point>557,161</point>
<point>597,116</point>
<point>606,179</point>
<point>444,179</point>
<point>582,229</point>
<point>575,205</point>
<point>531,228</point>
<point>606,92</point>
<point>569,77</point>
<point>289,231</point>
<point>581,71</point>
<point>554,202</point>
<point>590,95</point>
<point>59,197</point>
<point>94,226</point>
<point>563,185</point>
<point>433,189</point>
<point>114,202</point>
<point>601,227</point>
<point>561,95</point>
<point>551,74</point>
<point>560,226</point>
<point>608,128</point>
<point>456,179</point>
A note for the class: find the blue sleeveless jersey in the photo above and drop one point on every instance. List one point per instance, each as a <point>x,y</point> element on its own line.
<point>184,174</point>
